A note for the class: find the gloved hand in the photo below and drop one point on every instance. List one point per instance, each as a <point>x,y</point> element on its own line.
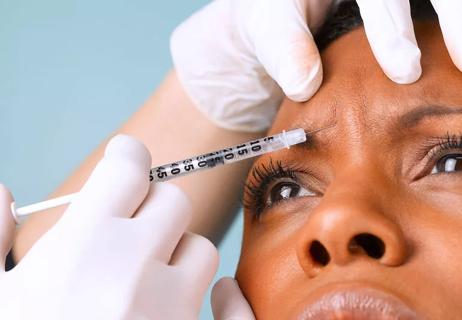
<point>228,303</point>
<point>97,263</point>
<point>227,55</point>
<point>390,32</point>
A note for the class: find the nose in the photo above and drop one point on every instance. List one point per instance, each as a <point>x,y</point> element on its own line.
<point>346,227</point>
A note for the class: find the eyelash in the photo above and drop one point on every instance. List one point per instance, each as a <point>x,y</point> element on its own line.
<point>264,175</point>
<point>442,144</point>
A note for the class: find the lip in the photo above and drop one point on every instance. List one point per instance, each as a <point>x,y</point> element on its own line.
<point>357,304</point>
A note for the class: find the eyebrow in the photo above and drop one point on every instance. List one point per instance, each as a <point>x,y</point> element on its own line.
<point>413,117</point>
<point>408,120</point>
<point>311,139</point>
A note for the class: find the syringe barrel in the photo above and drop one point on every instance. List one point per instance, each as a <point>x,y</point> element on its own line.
<point>206,161</point>
<point>239,152</point>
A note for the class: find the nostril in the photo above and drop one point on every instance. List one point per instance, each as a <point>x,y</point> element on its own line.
<point>370,244</point>
<point>319,253</point>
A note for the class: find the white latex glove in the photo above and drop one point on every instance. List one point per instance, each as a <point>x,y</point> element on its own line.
<point>227,55</point>
<point>228,303</point>
<point>97,263</point>
<point>389,29</point>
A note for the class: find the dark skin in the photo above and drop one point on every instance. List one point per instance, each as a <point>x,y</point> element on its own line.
<point>381,171</point>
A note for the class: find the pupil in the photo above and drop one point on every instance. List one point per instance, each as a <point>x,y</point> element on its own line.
<point>284,191</point>
<point>450,163</point>
<point>458,164</point>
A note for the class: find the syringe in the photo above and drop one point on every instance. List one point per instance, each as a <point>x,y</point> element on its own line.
<point>194,164</point>
<point>229,155</point>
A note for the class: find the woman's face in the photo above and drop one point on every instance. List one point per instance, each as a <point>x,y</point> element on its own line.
<point>366,215</point>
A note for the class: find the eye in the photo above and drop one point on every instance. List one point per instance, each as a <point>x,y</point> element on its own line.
<point>286,190</point>
<point>447,164</point>
<point>273,182</point>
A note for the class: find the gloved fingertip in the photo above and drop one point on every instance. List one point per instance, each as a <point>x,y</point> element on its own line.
<point>126,147</point>
<point>172,195</point>
<point>306,86</point>
<point>228,301</point>
<point>300,72</point>
<point>117,185</point>
<point>7,203</point>
<point>406,75</point>
<point>222,286</point>
<point>6,199</point>
<point>398,55</point>
<point>401,65</point>
<point>5,193</point>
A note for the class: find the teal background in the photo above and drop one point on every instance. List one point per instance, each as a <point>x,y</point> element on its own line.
<point>70,73</point>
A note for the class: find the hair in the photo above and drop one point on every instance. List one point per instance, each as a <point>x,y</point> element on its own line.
<point>346,17</point>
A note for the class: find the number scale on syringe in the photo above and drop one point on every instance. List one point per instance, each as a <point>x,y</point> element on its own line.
<point>225,156</point>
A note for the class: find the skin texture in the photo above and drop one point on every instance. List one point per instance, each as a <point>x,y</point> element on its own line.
<point>371,173</point>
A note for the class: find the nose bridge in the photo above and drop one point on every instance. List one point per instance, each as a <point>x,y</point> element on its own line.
<point>352,222</point>
<point>357,185</point>
<point>365,179</point>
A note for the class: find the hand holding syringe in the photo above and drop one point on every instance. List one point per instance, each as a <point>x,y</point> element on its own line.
<point>180,168</point>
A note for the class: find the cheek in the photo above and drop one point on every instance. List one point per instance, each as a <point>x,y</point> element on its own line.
<point>442,241</point>
<point>268,271</point>
<point>434,265</point>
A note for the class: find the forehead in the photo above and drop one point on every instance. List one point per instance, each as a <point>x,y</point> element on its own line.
<point>361,98</point>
